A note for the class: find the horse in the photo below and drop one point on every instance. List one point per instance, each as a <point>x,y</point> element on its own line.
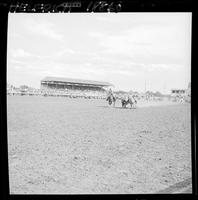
<point>131,100</point>
<point>111,99</point>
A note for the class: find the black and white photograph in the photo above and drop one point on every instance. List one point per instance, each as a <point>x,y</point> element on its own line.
<point>99,103</point>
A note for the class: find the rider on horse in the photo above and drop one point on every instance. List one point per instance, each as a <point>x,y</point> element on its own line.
<point>110,93</point>
<point>111,97</point>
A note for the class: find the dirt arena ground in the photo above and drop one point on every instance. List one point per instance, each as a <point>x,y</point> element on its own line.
<point>67,146</point>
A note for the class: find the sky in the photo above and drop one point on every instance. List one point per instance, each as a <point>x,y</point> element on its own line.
<point>133,51</point>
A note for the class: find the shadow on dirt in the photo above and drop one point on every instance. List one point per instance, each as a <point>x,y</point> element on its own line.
<point>181,187</point>
<point>124,108</point>
<point>115,107</point>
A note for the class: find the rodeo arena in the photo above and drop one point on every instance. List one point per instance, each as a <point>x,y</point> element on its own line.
<point>75,136</point>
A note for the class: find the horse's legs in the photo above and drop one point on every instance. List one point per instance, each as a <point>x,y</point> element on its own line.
<point>123,104</point>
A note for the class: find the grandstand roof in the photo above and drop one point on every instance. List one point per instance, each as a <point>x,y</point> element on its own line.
<point>79,81</point>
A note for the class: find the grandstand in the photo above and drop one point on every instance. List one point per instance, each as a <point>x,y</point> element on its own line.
<point>73,84</point>
<point>73,88</point>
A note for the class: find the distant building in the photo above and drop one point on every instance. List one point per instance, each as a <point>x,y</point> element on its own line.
<point>73,84</point>
<point>178,92</point>
<point>182,92</point>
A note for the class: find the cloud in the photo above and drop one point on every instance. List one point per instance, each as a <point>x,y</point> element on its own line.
<point>20,53</point>
<point>148,44</point>
<point>96,34</point>
<point>64,52</point>
<point>122,50</point>
<point>124,72</point>
<point>163,67</point>
<point>13,61</point>
<point>109,18</point>
<point>44,28</point>
<point>23,54</point>
<point>16,35</point>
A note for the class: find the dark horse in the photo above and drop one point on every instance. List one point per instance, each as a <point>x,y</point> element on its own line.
<point>111,99</point>
<point>132,101</point>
